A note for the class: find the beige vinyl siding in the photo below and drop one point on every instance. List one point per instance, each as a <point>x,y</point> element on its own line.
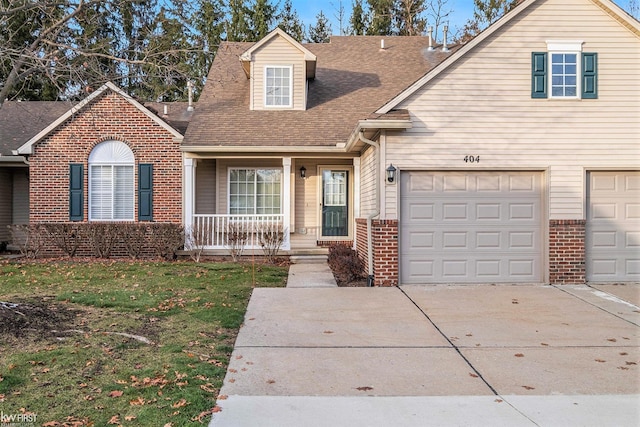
<point>306,203</point>
<point>278,52</point>
<point>206,187</point>
<point>20,196</point>
<point>482,106</point>
<point>6,195</point>
<point>368,168</point>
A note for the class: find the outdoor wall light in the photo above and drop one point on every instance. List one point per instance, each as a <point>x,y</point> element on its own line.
<point>391,174</point>
<point>303,172</point>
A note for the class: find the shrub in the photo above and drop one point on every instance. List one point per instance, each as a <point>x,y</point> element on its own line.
<point>29,238</point>
<point>345,263</point>
<point>237,238</point>
<point>103,236</point>
<point>271,237</point>
<point>165,239</point>
<point>134,237</point>
<point>196,238</point>
<point>65,236</point>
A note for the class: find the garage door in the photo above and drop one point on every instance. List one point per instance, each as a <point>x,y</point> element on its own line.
<point>613,227</point>
<point>482,227</point>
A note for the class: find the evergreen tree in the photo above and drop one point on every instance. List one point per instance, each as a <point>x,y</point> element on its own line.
<point>207,17</point>
<point>237,24</point>
<point>321,31</point>
<point>262,14</point>
<point>289,21</point>
<point>381,17</point>
<point>358,22</point>
<point>409,18</point>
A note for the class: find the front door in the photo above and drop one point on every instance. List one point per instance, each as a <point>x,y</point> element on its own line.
<point>335,197</point>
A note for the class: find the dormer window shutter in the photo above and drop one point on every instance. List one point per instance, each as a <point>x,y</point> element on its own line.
<point>589,75</point>
<point>539,75</point>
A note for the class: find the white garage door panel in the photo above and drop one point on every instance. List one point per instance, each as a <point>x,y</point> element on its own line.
<point>471,227</point>
<point>613,226</point>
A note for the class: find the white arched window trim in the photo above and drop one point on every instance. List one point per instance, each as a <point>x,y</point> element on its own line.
<point>111,182</point>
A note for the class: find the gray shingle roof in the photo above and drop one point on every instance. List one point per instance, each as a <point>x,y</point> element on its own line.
<point>354,77</point>
<point>20,121</point>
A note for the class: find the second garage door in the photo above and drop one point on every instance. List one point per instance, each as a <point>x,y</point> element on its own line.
<point>460,227</point>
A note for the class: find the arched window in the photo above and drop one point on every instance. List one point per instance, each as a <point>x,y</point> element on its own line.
<point>111,182</point>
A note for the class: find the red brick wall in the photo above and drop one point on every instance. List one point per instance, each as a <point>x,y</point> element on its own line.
<point>108,117</point>
<point>567,251</point>
<point>385,249</point>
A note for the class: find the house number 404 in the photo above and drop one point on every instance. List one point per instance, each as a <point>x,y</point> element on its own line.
<point>472,159</point>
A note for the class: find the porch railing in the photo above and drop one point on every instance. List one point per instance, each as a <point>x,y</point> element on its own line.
<point>220,231</point>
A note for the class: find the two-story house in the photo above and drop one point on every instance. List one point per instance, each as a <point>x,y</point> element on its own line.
<point>511,159</point>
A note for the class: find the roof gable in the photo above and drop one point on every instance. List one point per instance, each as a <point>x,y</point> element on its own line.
<point>27,147</point>
<point>246,55</point>
<point>608,6</point>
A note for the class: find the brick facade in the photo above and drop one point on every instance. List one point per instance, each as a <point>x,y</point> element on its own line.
<point>108,117</point>
<point>385,249</point>
<point>567,251</point>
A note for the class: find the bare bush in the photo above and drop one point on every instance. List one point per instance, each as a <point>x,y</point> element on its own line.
<point>65,236</point>
<point>347,267</point>
<point>196,238</point>
<point>237,238</point>
<point>271,238</point>
<point>29,238</point>
<point>103,236</point>
<point>133,237</point>
<point>165,239</point>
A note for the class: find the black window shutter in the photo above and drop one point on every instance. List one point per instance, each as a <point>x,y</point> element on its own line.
<point>589,75</point>
<point>76,192</point>
<point>145,192</point>
<point>539,74</point>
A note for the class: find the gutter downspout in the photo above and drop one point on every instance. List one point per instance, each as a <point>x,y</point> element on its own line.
<point>375,213</point>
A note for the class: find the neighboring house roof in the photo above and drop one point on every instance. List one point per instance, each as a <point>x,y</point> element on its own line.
<point>177,114</point>
<point>608,6</point>
<point>21,121</point>
<point>27,147</point>
<point>354,77</point>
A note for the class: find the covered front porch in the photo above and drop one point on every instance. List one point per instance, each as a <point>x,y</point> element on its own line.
<point>309,202</point>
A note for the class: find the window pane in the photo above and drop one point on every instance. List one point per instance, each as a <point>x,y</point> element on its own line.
<point>278,86</point>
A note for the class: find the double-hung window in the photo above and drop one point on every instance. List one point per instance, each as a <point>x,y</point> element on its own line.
<point>111,182</point>
<point>564,72</point>
<point>255,191</point>
<point>278,86</point>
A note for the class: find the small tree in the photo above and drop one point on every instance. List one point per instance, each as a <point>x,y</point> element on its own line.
<point>196,238</point>
<point>321,32</point>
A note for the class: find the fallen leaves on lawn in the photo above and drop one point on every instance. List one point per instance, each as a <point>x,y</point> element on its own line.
<point>114,420</point>
<point>180,403</point>
<point>139,401</point>
<point>116,393</point>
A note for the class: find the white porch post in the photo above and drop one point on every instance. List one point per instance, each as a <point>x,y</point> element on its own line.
<point>356,196</point>
<point>286,202</point>
<point>189,174</point>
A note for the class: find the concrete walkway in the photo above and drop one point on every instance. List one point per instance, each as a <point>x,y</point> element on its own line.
<point>436,356</point>
<point>311,275</point>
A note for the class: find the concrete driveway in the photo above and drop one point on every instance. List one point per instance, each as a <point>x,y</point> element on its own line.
<point>436,355</point>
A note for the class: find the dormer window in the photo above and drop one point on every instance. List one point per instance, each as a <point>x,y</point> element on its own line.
<point>278,86</point>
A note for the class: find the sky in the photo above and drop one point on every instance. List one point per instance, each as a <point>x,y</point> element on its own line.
<point>309,9</point>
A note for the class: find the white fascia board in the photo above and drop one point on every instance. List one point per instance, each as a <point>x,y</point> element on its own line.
<point>259,149</point>
<point>375,125</point>
<point>308,56</point>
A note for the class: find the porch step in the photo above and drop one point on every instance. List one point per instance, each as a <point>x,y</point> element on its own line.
<point>308,259</point>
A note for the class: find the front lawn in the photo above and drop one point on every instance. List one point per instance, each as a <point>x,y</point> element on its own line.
<point>120,343</point>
